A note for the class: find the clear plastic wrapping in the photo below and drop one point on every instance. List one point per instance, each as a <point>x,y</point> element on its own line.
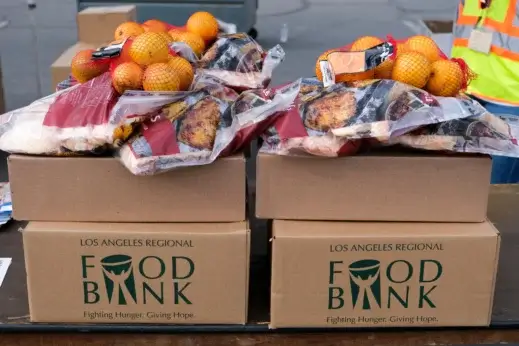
<point>196,127</point>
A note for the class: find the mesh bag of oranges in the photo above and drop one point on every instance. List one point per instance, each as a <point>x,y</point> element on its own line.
<point>484,133</point>
<point>77,120</point>
<point>417,61</point>
<point>193,128</point>
<point>240,62</point>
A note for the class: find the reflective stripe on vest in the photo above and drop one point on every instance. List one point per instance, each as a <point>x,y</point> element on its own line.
<point>498,71</point>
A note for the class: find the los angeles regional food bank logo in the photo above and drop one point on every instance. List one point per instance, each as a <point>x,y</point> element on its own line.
<point>365,284</point>
<point>369,284</point>
<point>159,280</point>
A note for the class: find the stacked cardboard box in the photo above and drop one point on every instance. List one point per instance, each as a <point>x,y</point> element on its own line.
<point>379,240</point>
<point>105,246</point>
<point>96,26</point>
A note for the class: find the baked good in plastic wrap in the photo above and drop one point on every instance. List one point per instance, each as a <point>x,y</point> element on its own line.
<point>333,121</point>
<point>73,121</point>
<point>197,127</point>
<point>484,134</point>
<point>240,62</point>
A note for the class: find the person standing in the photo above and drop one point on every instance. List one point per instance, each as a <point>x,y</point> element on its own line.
<point>486,36</point>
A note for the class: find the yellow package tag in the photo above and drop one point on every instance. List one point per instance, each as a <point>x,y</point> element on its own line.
<point>480,41</point>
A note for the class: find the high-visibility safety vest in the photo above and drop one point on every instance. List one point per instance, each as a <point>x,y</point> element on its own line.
<point>498,71</point>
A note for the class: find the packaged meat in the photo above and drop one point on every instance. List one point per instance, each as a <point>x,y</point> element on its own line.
<point>332,121</point>
<point>197,127</point>
<point>484,134</point>
<point>240,62</point>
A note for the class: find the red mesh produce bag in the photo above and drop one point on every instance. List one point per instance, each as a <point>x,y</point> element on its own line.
<point>195,128</point>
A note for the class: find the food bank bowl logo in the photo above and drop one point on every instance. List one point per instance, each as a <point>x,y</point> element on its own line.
<point>119,279</point>
<point>365,284</point>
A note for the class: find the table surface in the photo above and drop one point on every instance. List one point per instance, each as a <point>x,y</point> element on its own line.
<point>503,203</point>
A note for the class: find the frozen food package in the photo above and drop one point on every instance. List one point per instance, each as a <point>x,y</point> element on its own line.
<point>240,62</point>
<point>199,127</point>
<point>304,127</point>
<point>484,134</point>
<point>387,108</point>
<point>76,120</point>
<point>333,121</point>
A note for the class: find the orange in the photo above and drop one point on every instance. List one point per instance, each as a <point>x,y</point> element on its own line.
<point>83,68</point>
<point>424,45</point>
<point>365,42</point>
<point>175,33</point>
<point>412,68</point>
<point>166,36</point>
<point>184,71</point>
<point>401,48</point>
<point>149,48</point>
<point>124,56</point>
<point>160,77</point>
<point>127,76</point>
<point>128,29</point>
<point>204,24</point>
<point>154,25</point>
<point>384,70</point>
<point>194,41</point>
<point>446,78</point>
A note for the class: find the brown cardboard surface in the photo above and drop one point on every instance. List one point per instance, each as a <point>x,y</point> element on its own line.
<point>60,69</point>
<point>137,273</point>
<point>377,187</point>
<point>96,25</point>
<point>103,190</point>
<point>372,274</point>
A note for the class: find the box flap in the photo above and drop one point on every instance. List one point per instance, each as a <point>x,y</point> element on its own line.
<point>129,228</point>
<point>323,229</point>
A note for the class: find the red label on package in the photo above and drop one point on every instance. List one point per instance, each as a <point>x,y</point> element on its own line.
<point>85,105</point>
<point>160,135</point>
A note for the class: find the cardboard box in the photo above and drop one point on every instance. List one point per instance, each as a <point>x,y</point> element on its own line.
<point>96,25</point>
<point>103,190</point>
<point>368,274</point>
<point>137,273</point>
<point>60,69</point>
<point>378,187</point>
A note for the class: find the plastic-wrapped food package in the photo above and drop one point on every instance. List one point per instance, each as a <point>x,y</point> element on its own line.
<point>72,121</point>
<point>200,126</point>
<point>240,62</point>
<point>332,121</point>
<point>387,108</point>
<point>304,126</point>
<point>484,134</point>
